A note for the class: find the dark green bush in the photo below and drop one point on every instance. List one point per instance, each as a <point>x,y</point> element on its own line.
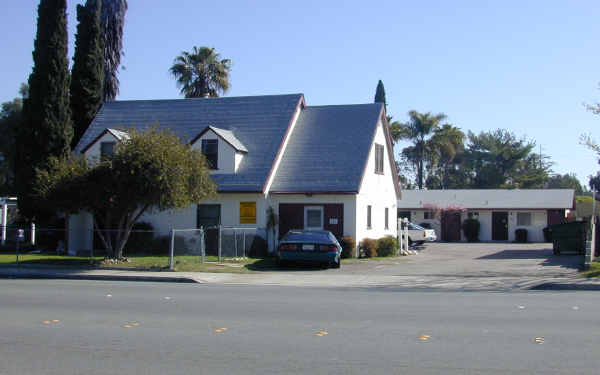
<point>387,246</point>
<point>368,246</point>
<point>471,228</point>
<point>521,235</point>
<point>547,234</point>
<point>141,239</point>
<point>348,246</point>
<point>259,247</point>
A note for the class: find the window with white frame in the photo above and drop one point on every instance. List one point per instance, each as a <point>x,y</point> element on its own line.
<point>313,217</point>
<point>378,158</point>
<point>368,217</point>
<point>523,219</point>
<point>387,220</point>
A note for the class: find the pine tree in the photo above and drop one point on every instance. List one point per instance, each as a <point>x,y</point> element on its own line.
<point>87,75</point>
<point>380,94</point>
<point>47,128</point>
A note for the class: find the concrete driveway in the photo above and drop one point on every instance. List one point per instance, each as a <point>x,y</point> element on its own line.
<point>477,260</point>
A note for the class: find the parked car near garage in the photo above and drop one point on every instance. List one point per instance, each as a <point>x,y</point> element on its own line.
<point>419,235</point>
<point>312,246</point>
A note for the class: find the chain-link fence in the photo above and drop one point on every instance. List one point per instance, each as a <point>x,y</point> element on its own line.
<point>211,244</point>
<point>218,242</point>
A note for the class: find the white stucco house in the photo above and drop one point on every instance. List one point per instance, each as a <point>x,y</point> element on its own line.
<point>322,167</point>
<point>499,211</point>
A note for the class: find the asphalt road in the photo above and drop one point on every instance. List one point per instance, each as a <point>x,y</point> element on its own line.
<point>95,327</point>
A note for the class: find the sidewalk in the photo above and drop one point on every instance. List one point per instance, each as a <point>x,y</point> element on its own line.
<point>313,279</point>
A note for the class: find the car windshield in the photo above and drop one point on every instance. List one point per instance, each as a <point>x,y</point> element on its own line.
<point>317,237</point>
<point>412,226</point>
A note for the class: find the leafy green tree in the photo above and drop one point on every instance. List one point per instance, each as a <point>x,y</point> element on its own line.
<point>419,130</point>
<point>152,171</point>
<point>112,21</point>
<point>201,73</point>
<point>87,74</point>
<point>380,93</point>
<point>47,129</point>
<point>498,159</point>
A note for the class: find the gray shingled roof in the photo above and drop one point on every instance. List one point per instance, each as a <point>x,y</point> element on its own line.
<point>258,122</point>
<point>328,149</point>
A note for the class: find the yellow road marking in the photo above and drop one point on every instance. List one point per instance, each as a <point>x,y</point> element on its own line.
<point>55,321</point>
<point>539,340</point>
<point>127,326</point>
<point>424,337</point>
<point>135,324</point>
<point>47,322</point>
<point>220,330</point>
<point>321,333</point>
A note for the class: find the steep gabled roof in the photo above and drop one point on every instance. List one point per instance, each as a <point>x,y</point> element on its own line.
<point>489,198</point>
<point>258,122</point>
<point>328,150</point>
<point>226,135</point>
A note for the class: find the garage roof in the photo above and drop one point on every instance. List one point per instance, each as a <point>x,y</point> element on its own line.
<point>489,199</point>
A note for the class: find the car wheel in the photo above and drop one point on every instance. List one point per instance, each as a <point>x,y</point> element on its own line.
<point>410,242</point>
<point>337,264</point>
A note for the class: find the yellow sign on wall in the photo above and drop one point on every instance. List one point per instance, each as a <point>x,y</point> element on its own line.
<point>247,212</point>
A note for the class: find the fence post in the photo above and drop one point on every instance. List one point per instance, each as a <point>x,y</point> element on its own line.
<point>235,241</point>
<point>172,250</point>
<point>244,237</point>
<point>4,219</point>
<point>406,233</point>
<point>32,234</point>
<point>220,233</point>
<point>91,249</point>
<point>202,245</point>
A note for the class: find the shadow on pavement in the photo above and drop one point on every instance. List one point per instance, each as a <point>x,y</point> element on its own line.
<point>573,260</point>
<point>269,265</point>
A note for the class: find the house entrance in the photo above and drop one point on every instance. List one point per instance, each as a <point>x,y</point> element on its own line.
<point>209,215</point>
<point>327,216</point>
<point>499,226</point>
<point>451,226</point>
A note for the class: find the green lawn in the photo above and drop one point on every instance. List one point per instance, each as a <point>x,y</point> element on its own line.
<point>183,263</point>
<point>594,270</point>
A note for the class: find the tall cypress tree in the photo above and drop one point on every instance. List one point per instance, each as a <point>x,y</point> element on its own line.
<point>47,128</point>
<point>87,75</point>
<point>380,93</point>
<point>112,20</point>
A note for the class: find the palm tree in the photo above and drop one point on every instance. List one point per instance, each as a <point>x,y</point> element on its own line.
<point>201,73</point>
<point>417,129</point>
<point>446,144</point>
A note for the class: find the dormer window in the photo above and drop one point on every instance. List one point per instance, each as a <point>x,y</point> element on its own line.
<point>106,149</point>
<point>210,149</point>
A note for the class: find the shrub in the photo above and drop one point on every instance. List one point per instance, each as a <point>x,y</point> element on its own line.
<point>387,246</point>
<point>258,248</point>
<point>141,239</point>
<point>470,228</point>
<point>348,246</point>
<point>521,235</point>
<point>547,234</point>
<point>368,247</point>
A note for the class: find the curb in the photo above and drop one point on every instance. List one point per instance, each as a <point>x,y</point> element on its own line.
<point>37,275</point>
<point>563,286</point>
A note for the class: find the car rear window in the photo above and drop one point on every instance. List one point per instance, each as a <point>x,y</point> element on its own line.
<point>307,237</point>
<point>414,227</point>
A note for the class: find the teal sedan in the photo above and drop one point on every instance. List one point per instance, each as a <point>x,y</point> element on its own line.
<point>309,246</point>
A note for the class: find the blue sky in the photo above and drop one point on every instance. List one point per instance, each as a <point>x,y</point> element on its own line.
<point>526,66</point>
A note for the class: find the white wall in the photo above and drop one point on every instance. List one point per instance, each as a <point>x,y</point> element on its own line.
<point>81,232</point>
<point>539,220</point>
<point>225,159</point>
<point>377,190</point>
